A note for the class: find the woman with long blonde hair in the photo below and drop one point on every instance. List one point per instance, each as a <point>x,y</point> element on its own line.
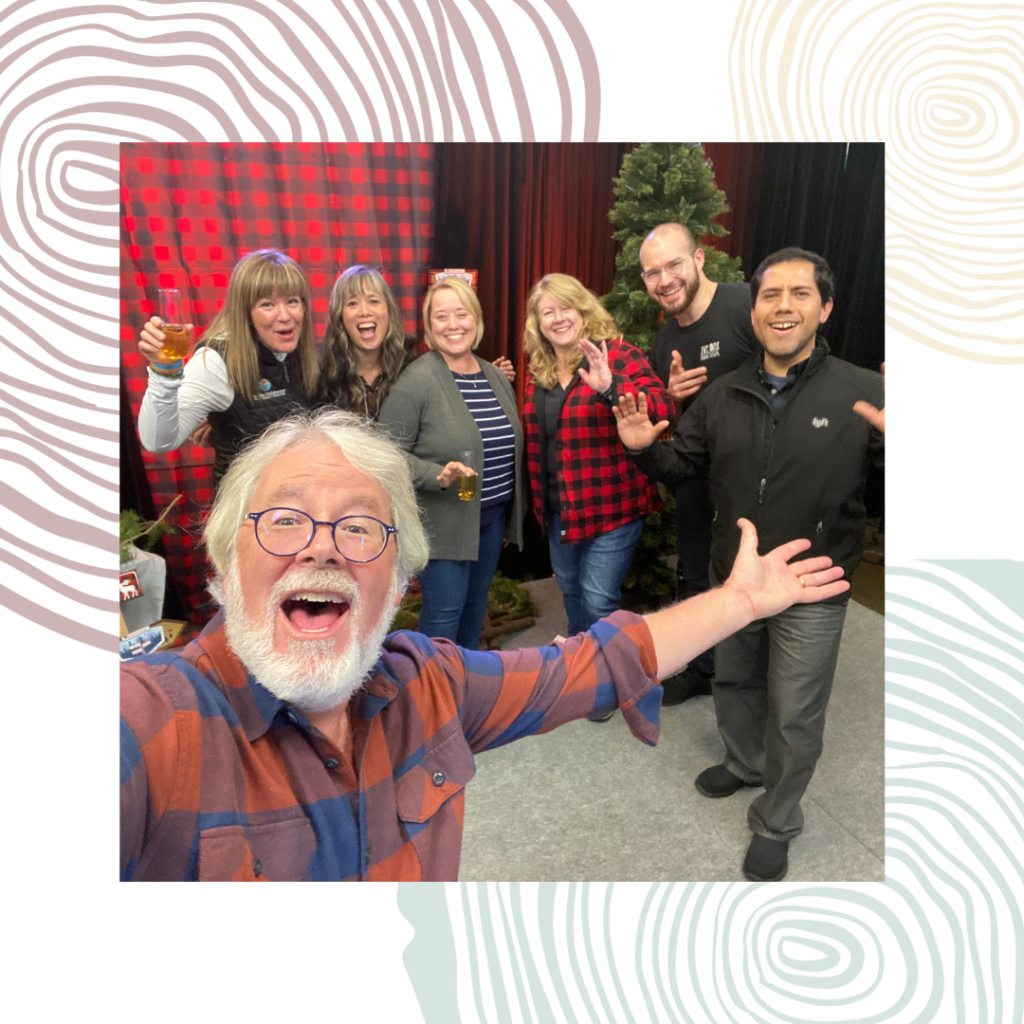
<point>256,364</point>
<point>450,401</point>
<point>587,495</point>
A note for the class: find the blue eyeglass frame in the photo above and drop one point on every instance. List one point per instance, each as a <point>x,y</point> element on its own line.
<point>317,523</point>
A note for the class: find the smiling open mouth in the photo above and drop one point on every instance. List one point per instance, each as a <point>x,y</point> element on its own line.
<point>313,612</point>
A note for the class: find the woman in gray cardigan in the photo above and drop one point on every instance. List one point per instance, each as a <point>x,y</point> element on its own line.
<point>445,403</point>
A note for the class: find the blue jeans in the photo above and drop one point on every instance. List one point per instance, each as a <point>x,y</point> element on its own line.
<point>455,593</point>
<point>590,572</point>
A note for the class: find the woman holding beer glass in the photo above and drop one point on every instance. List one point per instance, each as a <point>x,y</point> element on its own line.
<point>587,494</point>
<point>257,363</point>
<point>455,415</point>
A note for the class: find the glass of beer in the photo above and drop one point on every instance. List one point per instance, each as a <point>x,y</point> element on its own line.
<point>467,484</point>
<point>173,326</point>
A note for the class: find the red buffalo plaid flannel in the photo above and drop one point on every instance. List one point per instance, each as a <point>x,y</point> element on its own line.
<point>600,489</point>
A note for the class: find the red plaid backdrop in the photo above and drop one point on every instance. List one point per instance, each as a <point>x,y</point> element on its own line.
<point>190,211</point>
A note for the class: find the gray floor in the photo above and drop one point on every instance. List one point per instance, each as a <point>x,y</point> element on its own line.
<point>588,802</point>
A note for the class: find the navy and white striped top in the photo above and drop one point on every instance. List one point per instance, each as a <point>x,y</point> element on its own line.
<point>497,481</point>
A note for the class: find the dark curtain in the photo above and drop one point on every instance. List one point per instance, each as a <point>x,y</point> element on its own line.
<point>737,167</point>
<point>829,198</point>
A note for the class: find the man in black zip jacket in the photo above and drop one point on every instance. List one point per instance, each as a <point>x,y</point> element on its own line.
<point>783,447</point>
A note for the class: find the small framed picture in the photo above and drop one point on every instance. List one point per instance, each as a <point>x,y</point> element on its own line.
<point>130,586</point>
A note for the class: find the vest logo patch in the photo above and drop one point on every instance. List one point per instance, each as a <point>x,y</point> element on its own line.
<point>270,394</point>
<point>822,422</point>
<point>265,385</point>
<point>710,351</point>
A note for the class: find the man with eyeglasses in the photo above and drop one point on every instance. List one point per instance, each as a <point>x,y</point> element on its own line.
<point>706,332</point>
<point>295,739</point>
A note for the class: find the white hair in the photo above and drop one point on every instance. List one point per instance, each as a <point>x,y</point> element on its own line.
<point>364,445</point>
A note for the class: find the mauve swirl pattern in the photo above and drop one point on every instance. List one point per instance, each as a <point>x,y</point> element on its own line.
<point>76,82</point>
<point>943,85</point>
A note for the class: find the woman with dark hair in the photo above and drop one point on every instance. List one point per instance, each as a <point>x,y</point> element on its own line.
<point>365,345</point>
<point>257,363</point>
<point>447,402</point>
<point>585,491</point>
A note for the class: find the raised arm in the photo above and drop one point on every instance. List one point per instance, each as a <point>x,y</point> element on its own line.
<point>758,586</point>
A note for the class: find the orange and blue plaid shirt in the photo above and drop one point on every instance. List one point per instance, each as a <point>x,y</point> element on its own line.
<point>220,780</point>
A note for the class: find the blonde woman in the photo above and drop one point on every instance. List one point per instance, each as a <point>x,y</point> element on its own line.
<point>586,493</point>
<point>257,363</point>
<point>448,401</point>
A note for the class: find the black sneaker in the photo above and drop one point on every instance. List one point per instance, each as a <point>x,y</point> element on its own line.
<point>691,682</point>
<point>767,860</point>
<point>718,781</point>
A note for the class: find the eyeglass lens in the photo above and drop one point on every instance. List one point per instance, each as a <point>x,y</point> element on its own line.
<point>286,531</point>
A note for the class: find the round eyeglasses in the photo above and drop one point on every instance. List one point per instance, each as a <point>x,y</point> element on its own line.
<point>287,531</point>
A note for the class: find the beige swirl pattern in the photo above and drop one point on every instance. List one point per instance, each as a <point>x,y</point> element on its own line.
<point>943,85</point>
<point>76,82</point>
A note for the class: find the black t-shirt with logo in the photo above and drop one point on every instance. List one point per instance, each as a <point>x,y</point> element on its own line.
<point>720,340</point>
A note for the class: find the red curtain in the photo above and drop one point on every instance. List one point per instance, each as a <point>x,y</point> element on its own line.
<point>518,211</point>
<point>190,211</point>
<point>737,168</point>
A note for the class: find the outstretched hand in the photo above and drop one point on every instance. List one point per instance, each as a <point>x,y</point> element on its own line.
<point>771,582</point>
<point>452,471</point>
<point>635,428</point>
<point>876,417</point>
<point>684,383</point>
<point>599,376</point>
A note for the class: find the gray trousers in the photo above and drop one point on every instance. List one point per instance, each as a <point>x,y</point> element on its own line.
<point>772,684</point>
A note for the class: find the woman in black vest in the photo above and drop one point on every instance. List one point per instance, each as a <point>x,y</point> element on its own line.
<point>257,363</point>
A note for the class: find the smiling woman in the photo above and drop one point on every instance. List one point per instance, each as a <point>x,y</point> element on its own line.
<point>448,403</point>
<point>257,363</point>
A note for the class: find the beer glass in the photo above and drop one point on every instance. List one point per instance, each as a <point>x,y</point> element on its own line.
<point>175,334</point>
<point>467,484</point>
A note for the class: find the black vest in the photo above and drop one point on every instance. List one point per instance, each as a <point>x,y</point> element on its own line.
<point>280,392</point>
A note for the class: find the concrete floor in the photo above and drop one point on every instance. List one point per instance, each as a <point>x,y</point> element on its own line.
<point>588,802</point>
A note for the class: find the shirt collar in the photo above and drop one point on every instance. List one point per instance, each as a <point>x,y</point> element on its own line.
<point>255,706</point>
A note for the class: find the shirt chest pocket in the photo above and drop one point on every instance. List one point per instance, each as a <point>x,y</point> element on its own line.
<point>280,851</point>
<point>442,773</point>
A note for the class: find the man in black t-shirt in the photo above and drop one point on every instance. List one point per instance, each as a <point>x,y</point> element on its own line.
<point>707,332</point>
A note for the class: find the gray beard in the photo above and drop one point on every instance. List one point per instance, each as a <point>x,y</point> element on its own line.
<point>311,675</point>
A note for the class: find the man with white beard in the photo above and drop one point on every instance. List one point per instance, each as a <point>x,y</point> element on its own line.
<point>294,739</point>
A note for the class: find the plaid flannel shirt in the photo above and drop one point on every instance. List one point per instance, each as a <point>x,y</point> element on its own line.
<point>220,780</point>
<point>600,489</point>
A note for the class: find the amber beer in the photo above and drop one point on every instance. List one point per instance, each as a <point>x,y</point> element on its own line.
<point>467,484</point>
<point>175,345</point>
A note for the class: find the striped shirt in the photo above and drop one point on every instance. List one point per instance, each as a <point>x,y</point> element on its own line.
<point>220,780</point>
<point>497,481</point>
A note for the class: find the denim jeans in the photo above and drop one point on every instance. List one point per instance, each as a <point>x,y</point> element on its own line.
<point>590,573</point>
<point>772,684</point>
<point>693,545</point>
<point>455,593</point>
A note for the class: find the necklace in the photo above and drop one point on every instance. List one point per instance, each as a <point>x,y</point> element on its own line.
<point>474,378</point>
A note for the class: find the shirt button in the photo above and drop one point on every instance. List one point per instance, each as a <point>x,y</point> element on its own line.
<point>291,717</point>
<point>438,778</point>
<point>257,866</point>
<point>367,854</point>
<point>331,763</point>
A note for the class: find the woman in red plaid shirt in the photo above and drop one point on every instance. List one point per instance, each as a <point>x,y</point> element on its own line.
<point>585,491</point>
